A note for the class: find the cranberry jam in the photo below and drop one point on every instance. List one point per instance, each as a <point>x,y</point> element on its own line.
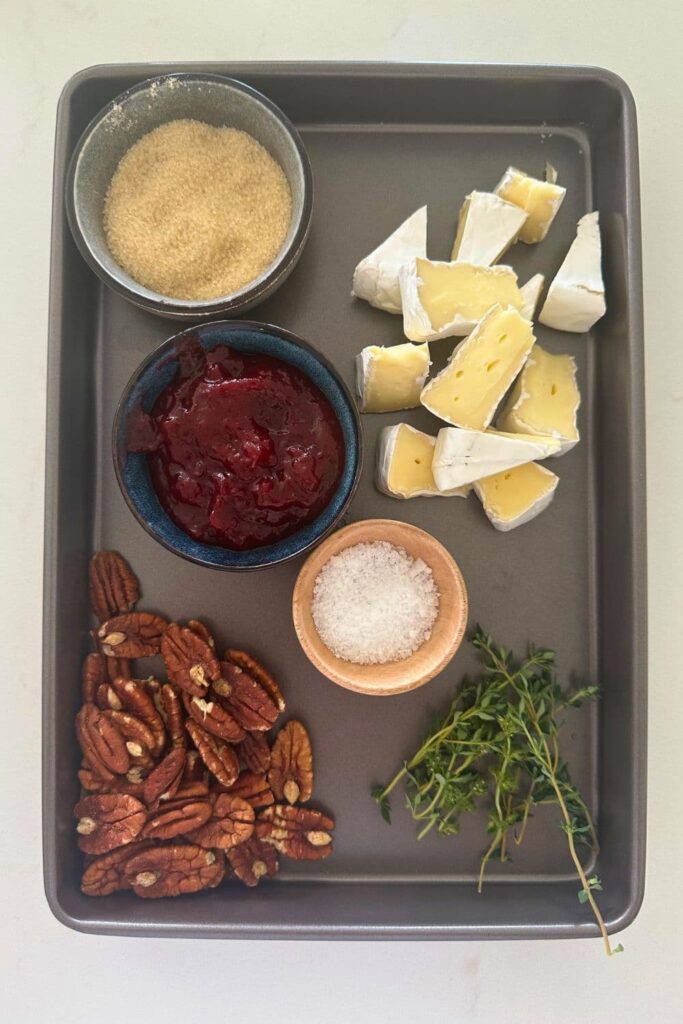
<point>243,449</point>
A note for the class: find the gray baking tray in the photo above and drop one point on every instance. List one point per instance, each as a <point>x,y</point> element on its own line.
<point>384,139</point>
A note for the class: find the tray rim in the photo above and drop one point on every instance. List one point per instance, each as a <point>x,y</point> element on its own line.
<point>636,456</point>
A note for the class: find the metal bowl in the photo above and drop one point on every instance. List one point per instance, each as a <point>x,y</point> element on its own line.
<point>134,113</point>
<point>158,370</point>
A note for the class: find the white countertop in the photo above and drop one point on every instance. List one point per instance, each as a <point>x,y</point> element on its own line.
<point>50,973</point>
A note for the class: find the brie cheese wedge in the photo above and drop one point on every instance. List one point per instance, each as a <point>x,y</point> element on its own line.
<point>463,456</point>
<point>404,464</point>
<point>444,300</point>
<point>531,293</point>
<point>376,278</point>
<point>576,298</point>
<point>544,400</point>
<point>469,389</point>
<point>516,496</point>
<point>389,379</point>
<point>540,199</point>
<point>487,227</point>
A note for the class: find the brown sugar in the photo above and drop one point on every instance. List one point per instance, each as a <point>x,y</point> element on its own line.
<point>196,212</point>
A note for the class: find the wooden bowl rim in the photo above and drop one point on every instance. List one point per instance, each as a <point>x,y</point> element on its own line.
<point>330,666</point>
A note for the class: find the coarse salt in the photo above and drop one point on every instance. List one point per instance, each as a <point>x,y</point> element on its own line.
<point>373,603</point>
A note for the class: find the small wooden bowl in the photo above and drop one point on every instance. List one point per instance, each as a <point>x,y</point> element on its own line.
<point>428,660</point>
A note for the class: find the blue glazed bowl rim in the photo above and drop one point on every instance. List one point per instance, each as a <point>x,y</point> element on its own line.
<point>146,382</point>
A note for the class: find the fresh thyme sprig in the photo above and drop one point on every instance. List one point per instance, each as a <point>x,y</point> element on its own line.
<point>499,737</point>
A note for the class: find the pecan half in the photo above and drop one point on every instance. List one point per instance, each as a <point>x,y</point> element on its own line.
<point>297,832</point>
<point>194,790</point>
<point>259,673</point>
<point>117,667</point>
<point>134,696</point>
<point>162,783</point>
<point>114,588</point>
<point>108,820</point>
<point>213,717</point>
<point>219,758</point>
<point>93,675</point>
<point>176,818</point>
<point>252,861</point>
<point>201,630</point>
<point>93,783</point>
<point>173,870</point>
<point>102,744</point>
<point>254,751</point>
<point>232,823</point>
<point>133,635</point>
<point>175,719</point>
<point>291,772</point>
<point>245,698</point>
<point>138,736</point>
<point>190,662</point>
<point>253,788</point>
<point>195,769</point>
<point>107,699</point>
<point>105,875</point>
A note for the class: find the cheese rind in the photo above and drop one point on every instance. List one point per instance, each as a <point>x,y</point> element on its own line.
<point>444,300</point>
<point>390,379</point>
<point>544,400</point>
<point>463,456</point>
<point>376,278</point>
<point>469,389</point>
<point>516,496</point>
<point>576,297</point>
<point>531,293</point>
<point>404,464</point>
<point>540,199</point>
<point>487,227</point>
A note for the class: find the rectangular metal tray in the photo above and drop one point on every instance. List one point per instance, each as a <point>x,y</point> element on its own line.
<point>384,139</point>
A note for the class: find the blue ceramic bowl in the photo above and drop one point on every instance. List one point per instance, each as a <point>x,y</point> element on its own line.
<point>157,371</point>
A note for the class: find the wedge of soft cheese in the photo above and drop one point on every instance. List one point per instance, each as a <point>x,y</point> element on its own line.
<point>389,379</point>
<point>462,456</point>
<point>444,300</point>
<point>469,389</point>
<point>404,464</point>
<point>540,199</point>
<point>376,278</point>
<point>576,298</point>
<point>544,400</point>
<point>531,293</point>
<point>487,227</point>
<point>516,496</point>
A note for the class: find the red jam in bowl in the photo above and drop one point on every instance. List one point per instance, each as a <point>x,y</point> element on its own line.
<point>243,449</point>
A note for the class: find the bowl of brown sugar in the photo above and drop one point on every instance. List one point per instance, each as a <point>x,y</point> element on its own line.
<point>191,196</point>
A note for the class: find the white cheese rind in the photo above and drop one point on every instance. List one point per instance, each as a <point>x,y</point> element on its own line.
<point>386,451</point>
<point>376,278</point>
<point>540,502</point>
<point>531,293</point>
<point>463,456</point>
<point>487,227</point>
<point>391,379</point>
<point>576,297</point>
<point>416,323</point>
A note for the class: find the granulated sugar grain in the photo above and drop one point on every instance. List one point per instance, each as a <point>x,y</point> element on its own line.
<point>196,212</point>
<point>373,603</point>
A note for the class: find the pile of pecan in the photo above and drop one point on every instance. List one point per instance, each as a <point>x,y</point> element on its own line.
<point>181,785</point>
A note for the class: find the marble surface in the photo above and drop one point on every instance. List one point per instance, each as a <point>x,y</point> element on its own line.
<point>49,973</point>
